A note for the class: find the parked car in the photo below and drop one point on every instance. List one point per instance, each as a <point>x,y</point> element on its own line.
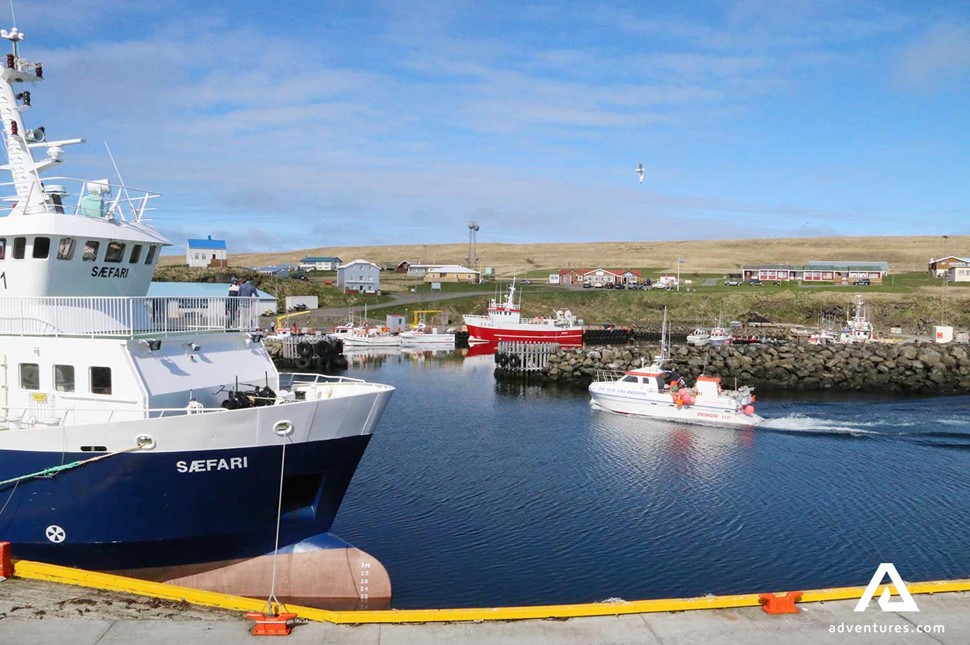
<point>646,283</point>
<point>527,282</point>
<point>587,285</point>
<point>598,285</point>
<point>863,282</point>
<point>732,282</point>
<point>610,285</point>
<point>755,282</point>
<point>620,285</point>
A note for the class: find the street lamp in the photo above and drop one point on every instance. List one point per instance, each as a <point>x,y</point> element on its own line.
<point>679,262</point>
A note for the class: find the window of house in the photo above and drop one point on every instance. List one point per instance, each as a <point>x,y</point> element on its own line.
<point>115,252</point>
<point>65,248</point>
<point>100,380</point>
<point>29,376</point>
<point>135,254</point>
<point>64,378</point>
<point>19,247</point>
<point>91,250</point>
<point>151,254</point>
<point>42,247</point>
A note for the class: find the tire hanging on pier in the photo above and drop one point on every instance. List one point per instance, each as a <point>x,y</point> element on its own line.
<point>514,361</point>
<point>304,362</point>
<point>304,350</point>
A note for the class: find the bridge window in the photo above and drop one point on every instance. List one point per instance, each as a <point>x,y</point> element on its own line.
<point>91,251</point>
<point>29,376</point>
<point>64,378</point>
<point>116,251</point>
<point>42,247</point>
<point>151,254</point>
<point>19,247</point>
<point>65,248</point>
<point>135,254</point>
<point>100,380</point>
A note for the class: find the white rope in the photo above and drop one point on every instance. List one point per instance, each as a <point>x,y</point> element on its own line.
<point>272,601</point>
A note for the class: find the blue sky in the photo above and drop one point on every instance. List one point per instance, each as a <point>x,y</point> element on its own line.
<point>294,125</point>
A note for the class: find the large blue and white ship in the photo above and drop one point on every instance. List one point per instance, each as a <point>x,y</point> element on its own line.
<point>154,436</point>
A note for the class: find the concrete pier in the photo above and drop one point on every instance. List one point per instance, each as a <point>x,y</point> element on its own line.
<point>42,613</point>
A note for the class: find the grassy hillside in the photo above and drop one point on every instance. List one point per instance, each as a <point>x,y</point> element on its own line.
<point>719,256</point>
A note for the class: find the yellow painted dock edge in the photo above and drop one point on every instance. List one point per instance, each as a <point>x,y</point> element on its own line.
<point>65,575</point>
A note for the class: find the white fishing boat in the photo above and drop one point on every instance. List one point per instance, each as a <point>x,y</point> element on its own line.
<point>153,436</point>
<point>857,328</point>
<point>421,333</point>
<point>656,392</point>
<point>699,336</point>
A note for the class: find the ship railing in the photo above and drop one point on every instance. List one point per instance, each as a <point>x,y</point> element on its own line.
<point>123,316</point>
<point>609,375</point>
<point>290,379</point>
<point>81,197</point>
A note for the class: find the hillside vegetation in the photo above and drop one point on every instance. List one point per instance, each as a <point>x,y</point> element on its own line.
<point>707,256</point>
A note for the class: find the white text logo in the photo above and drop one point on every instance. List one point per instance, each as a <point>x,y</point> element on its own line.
<point>905,602</point>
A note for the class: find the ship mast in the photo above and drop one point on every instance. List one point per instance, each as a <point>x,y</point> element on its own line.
<point>18,140</point>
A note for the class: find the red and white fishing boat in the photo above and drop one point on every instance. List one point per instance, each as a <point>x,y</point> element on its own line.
<point>504,322</point>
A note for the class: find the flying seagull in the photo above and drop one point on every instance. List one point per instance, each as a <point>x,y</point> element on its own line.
<point>640,171</point>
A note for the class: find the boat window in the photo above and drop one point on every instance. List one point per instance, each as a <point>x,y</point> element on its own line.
<point>135,254</point>
<point>65,248</point>
<point>100,380</point>
<point>91,251</point>
<point>3,248</point>
<point>151,254</point>
<point>42,247</point>
<point>19,246</point>
<point>64,378</point>
<point>630,379</point>
<point>29,376</point>
<point>116,251</point>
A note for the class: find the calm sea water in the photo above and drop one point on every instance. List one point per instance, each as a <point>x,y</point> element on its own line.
<point>475,494</point>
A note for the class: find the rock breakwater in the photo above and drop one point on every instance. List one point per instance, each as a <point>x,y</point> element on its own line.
<point>912,368</point>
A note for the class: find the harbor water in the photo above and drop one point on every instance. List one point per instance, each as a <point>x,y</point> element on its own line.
<point>478,494</point>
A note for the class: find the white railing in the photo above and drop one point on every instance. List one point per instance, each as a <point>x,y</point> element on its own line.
<point>125,316</point>
<point>86,198</point>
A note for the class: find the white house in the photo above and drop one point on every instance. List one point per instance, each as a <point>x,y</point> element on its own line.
<point>206,253</point>
<point>958,274</point>
<point>314,263</point>
<point>360,275</point>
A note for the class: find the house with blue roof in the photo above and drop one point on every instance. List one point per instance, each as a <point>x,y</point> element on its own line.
<point>206,253</point>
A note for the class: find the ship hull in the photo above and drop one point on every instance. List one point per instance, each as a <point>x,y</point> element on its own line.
<point>537,333</point>
<point>162,509</point>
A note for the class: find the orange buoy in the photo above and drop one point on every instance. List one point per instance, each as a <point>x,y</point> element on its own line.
<point>748,410</point>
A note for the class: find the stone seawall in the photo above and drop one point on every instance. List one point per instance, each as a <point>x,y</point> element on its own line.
<point>925,367</point>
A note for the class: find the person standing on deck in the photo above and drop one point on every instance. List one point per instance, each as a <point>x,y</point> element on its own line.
<point>247,297</point>
<point>232,304</point>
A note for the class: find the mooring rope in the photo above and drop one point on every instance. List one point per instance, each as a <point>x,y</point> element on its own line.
<point>53,471</point>
<point>273,603</point>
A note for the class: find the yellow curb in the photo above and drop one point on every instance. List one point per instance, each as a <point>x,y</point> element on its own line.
<point>108,582</point>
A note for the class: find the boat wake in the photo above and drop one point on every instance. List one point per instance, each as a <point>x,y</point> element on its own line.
<point>799,423</point>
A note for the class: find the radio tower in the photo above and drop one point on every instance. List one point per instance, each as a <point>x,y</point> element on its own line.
<point>472,258</point>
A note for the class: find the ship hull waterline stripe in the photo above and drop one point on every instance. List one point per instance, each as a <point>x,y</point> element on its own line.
<point>107,582</point>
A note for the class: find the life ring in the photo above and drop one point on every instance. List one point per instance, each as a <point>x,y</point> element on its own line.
<point>303,362</point>
<point>304,350</point>
<point>514,361</point>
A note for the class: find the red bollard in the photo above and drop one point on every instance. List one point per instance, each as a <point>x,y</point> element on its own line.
<point>271,625</point>
<point>6,560</point>
<point>773,604</point>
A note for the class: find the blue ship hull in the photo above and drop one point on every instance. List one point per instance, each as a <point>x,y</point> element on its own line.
<point>147,509</point>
